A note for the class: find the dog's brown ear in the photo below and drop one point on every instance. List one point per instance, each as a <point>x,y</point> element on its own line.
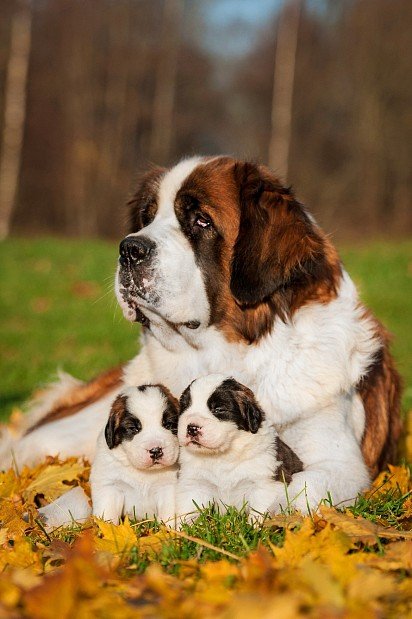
<point>278,246</point>
<point>117,414</point>
<point>142,204</point>
<point>247,413</point>
<point>252,415</point>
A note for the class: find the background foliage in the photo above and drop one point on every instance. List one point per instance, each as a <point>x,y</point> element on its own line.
<point>100,71</point>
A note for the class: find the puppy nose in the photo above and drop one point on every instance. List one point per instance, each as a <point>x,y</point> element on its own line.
<point>156,453</point>
<point>193,430</point>
<point>135,249</point>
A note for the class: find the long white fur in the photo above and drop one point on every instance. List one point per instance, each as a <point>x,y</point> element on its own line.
<point>124,479</point>
<point>304,372</point>
<point>232,466</point>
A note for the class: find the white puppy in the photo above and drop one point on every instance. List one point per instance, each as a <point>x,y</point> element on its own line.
<point>135,468</point>
<point>229,454</point>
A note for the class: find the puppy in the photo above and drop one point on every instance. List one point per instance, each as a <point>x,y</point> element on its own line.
<point>135,467</point>
<point>229,454</point>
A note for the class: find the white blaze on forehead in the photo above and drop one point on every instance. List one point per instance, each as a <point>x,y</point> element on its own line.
<point>171,183</point>
<point>148,405</point>
<point>202,388</point>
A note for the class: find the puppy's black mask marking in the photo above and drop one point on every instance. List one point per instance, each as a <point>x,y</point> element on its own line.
<point>234,402</point>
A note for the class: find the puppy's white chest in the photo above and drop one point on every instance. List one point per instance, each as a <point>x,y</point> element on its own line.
<point>139,502</point>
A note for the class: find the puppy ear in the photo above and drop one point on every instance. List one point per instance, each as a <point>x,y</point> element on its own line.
<point>117,414</point>
<point>248,412</point>
<point>142,203</point>
<point>252,414</point>
<point>185,399</point>
<point>278,246</point>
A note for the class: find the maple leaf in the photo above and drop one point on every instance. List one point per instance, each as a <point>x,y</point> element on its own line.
<point>78,590</point>
<point>397,556</point>
<point>20,555</point>
<point>52,481</point>
<point>11,517</point>
<point>8,483</point>
<point>397,478</point>
<point>360,529</point>
<point>115,539</point>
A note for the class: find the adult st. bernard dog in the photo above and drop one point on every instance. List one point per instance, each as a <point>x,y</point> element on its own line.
<point>228,273</point>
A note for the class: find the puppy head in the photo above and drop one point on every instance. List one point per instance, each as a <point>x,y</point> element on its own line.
<point>143,425</point>
<point>213,411</point>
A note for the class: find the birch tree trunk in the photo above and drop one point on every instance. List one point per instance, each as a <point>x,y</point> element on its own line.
<point>14,113</point>
<point>162,119</point>
<point>283,80</point>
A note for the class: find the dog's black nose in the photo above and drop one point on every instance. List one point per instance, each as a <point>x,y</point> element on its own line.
<point>193,430</point>
<point>135,249</point>
<point>156,453</point>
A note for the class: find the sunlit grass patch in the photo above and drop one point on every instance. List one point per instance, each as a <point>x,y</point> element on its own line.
<point>58,309</point>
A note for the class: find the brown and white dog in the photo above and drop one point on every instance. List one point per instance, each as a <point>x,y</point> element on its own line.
<point>228,273</point>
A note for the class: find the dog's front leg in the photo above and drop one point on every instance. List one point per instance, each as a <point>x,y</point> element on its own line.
<point>190,495</point>
<point>166,505</point>
<point>107,503</point>
<point>260,499</point>
<point>333,465</point>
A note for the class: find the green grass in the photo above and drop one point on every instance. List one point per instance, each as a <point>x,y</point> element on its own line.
<point>57,309</point>
<point>215,535</point>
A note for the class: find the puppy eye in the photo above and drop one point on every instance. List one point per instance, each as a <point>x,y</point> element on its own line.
<point>171,426</point>
<point>201,221</point>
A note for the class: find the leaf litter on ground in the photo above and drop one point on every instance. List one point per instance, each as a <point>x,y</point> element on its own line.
<point>340,562</point>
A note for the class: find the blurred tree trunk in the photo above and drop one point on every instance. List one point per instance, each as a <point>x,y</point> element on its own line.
<point>83,93</point>
<point>14,113</point>
<point>283,81</point>
<point>162,119</point>
<point>111,130</point>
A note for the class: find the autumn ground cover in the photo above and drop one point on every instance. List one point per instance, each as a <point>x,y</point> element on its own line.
<point>337,563</point>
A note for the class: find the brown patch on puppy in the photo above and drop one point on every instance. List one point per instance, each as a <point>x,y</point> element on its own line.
<point>380,391</point>
<point>142,204</point>
<point>262,256</point>
<point>121,424</point>
<point>291,463</point>
<point>82,396</point>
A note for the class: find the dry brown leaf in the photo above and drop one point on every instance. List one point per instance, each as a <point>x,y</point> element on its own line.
<point>53,480</point>
<point>397,556</point>
<point>285,521</point>
<point>360,529</point>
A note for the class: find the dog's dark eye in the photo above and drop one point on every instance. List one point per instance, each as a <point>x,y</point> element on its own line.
<point>220,413</point>
<point>170,425</point>
<point>201,221</point>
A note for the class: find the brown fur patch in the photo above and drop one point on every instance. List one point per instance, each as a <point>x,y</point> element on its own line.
<point>118,410</point>
<point>266,258</point>
<point>380,391</point>
<point>142,204</point>
<point>82,396</point>
<point>291,464</point>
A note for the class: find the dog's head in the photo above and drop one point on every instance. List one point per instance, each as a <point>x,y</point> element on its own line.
<point>143,424</point>
<point>213,411</point>
<point>216,241</point>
